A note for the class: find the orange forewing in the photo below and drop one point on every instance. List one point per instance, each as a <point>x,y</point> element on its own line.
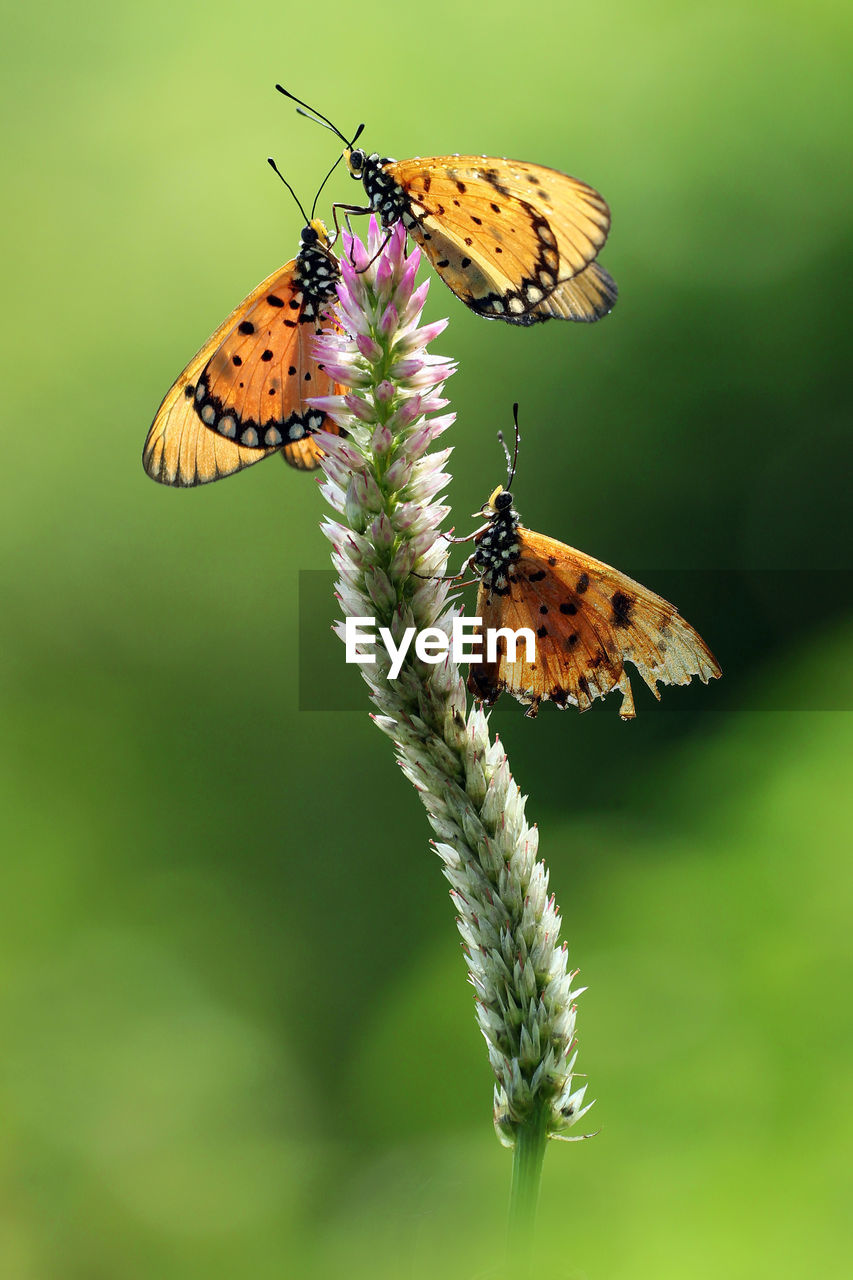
<point>589,620</point>
<point>250,375</point>
<point>514,241</point>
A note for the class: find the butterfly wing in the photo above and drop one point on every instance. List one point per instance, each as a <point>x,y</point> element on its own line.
<point>241,397</point>
<point>305,454</point>
<point>589,620</point>
<point>514,241</point>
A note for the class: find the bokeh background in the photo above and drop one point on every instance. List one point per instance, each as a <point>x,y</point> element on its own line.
<point>236,1034</point>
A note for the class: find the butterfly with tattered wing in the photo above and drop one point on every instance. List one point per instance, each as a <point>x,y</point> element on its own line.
<point>588,618</point>
<point>243,396</point>
<point>514,241</point>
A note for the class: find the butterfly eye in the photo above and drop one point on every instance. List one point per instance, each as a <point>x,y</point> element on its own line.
<point>356,162</point>
<point>503,500</point>
<point>309,235</point>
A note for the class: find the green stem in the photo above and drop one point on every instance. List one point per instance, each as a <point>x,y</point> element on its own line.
<point>527,1158</point>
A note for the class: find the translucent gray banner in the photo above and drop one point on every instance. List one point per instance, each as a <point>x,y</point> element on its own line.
<point>776,633</point>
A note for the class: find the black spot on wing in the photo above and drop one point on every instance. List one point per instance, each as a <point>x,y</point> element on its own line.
<point>622,608</point>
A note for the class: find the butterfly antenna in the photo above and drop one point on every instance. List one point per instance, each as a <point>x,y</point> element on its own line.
<point>517,443</point>
<point>332,170</point>
<point>323,183</point>
<point>312,114</point>
<point>272,164</point>
<point>511,465</point>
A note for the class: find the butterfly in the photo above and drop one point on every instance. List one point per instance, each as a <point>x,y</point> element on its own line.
<point>242,396</point>
<point>588,618</point>
<point>514,241</point>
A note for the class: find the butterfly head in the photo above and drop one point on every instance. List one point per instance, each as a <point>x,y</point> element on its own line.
<point>499,503</point>
<point>367,168</point>
<point>355,158</point>
<point>315,233</point>
<point>499,510</point>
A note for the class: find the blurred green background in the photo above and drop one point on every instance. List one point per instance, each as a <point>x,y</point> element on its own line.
<point>237,1037</point>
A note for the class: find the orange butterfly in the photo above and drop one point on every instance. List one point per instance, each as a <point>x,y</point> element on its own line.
<point>589,620</point>
<point>242,396</point>
<point>514,241</point>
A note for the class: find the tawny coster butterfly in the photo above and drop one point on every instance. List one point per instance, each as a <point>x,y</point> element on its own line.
<point>514,241</point>
<point>588,618</point>
<point>243,396</point>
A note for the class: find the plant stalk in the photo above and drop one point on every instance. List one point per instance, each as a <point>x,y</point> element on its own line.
<point>527,1160</point>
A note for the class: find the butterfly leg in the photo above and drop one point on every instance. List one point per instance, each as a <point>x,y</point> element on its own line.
<point>454,577</point>
<point>347,209</point>
<point>361,270</point>
<point>469,537</point>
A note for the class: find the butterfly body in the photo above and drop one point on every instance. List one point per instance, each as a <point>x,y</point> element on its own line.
<point>589,620</point>
<point>243,395</point>
<point>385,196</point>
<point>514,241</point>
